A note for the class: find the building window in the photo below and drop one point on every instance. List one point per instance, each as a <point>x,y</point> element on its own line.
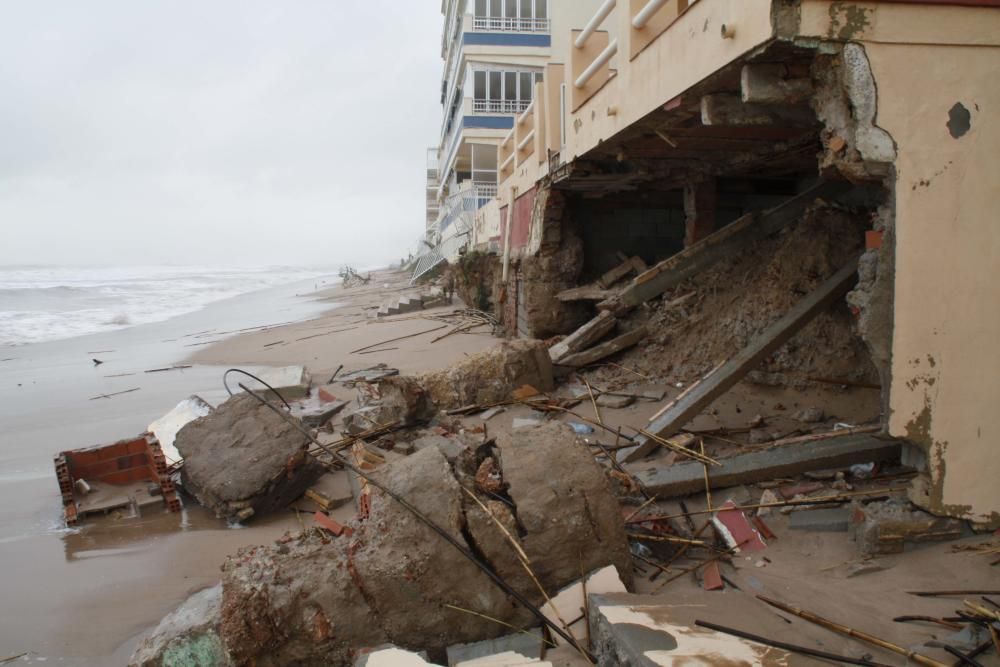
<point>511,15</point>
<point>503,91</point>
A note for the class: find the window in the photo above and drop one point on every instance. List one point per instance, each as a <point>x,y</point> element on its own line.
<point>527,86</point>
<point>512,15</point>
<point>503,92</point>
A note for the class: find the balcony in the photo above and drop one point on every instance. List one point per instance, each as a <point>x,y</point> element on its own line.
<point>504,24</point>
<point>500,106</point>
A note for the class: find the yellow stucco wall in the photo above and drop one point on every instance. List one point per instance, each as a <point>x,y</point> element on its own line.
<point>930,63</point>
<point>946,342</point>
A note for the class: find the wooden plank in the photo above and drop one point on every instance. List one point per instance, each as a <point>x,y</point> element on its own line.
<point>700,395</point>
<point>598,352</point>
<point>686,477</point>
<point>585,293</point>
<point>627,266</point>
<point>584,337</point>
<point>718,245</point>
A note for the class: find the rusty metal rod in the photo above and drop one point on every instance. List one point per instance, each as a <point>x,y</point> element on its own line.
<point>851,632</point>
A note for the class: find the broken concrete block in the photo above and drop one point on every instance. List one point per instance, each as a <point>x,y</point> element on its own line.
<point>528,645</point>
<point>402,401</point>
<point>451,448</point>
<point>392,657</point>
<point>491,376</point>
<point>315,413</point>
<point>166,427</point>
<point>638,630</point>
<point>390,580</point>
<point>833,520</point>
<point>244,460</point>
<point>566,605</point>
<point>615,402</point>
<point>186,636</point>
<point>886,527</point>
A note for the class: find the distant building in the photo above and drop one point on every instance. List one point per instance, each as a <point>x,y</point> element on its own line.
<point>494,53</point>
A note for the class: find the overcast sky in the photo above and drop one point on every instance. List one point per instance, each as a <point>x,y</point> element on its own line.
<point>215,131</point>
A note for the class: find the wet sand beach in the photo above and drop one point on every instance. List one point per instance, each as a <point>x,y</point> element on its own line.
<point>85,596</point>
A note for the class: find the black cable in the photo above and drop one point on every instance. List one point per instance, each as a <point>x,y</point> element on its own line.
<point>486,569</point>
<point>251,375</point>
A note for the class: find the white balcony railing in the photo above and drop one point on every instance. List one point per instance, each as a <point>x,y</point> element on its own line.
<point>500,106</point>
<point>504,24</point>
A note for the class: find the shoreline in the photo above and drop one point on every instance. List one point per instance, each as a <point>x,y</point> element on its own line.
<point>88,595</point>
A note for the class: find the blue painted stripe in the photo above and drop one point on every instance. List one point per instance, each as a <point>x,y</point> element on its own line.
<point>505,39</point>
<point>488,122</point>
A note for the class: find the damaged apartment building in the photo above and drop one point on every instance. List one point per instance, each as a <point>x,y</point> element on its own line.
<point>779,191</point>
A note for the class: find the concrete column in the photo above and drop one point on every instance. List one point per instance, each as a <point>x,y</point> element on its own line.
<point>699,209</point>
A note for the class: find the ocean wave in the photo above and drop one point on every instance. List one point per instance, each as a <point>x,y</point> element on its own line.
<point>46,303</point>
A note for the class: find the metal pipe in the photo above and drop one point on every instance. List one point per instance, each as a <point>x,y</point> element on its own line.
<point>524,142</point>
<point>601,60</point>
<point>646,13</point>
<point>595,22</point>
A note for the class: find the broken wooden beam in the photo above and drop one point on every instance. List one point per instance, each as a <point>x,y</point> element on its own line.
<point>584,337</point>
<point>719,245</point>
<point>700,395</point>
<point>585,293</point>
<point>605,349</point>
<point>627,266</point>
<point>687,477</point>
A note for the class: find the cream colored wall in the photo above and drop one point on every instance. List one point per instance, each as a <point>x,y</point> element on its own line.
<point>945,389</point>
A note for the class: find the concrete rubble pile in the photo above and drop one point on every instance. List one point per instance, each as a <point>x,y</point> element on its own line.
<point>310,599</point>
<point>243,460</point>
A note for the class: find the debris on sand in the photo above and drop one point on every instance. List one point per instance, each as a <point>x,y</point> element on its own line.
<point>243,460</point>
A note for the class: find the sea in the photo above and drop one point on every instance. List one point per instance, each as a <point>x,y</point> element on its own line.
<point>42,303</point>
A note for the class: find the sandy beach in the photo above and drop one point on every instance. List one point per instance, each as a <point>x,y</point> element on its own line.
<point>84,596</point>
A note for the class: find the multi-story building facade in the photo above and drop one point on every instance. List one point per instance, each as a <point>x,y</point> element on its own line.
<point>654,125</point>
<point>494,54</point>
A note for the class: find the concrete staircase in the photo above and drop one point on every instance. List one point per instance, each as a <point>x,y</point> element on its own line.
<point>405,304</point>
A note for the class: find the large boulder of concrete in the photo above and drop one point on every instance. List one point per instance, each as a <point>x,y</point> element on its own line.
<point>317,600</point>
<point>186,636</point>
<point>243,460</point>
<point>490,376</point>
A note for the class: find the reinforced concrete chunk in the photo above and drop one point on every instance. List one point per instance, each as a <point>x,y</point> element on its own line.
<point>243,460</point>
<point>491,376</point>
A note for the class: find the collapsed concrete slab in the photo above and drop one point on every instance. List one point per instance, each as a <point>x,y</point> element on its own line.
<point>314,599</point>
<point>166,427</point>
<point>244,460</point>
<point>490,376</point>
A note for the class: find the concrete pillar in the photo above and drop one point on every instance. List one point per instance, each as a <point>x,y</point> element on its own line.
<point>699,209</point>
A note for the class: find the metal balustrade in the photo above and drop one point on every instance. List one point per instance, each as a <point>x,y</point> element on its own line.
<point>508,24</point>
<point>500,106</point>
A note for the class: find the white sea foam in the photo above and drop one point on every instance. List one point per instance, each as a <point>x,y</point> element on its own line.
<point>49,303</point>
